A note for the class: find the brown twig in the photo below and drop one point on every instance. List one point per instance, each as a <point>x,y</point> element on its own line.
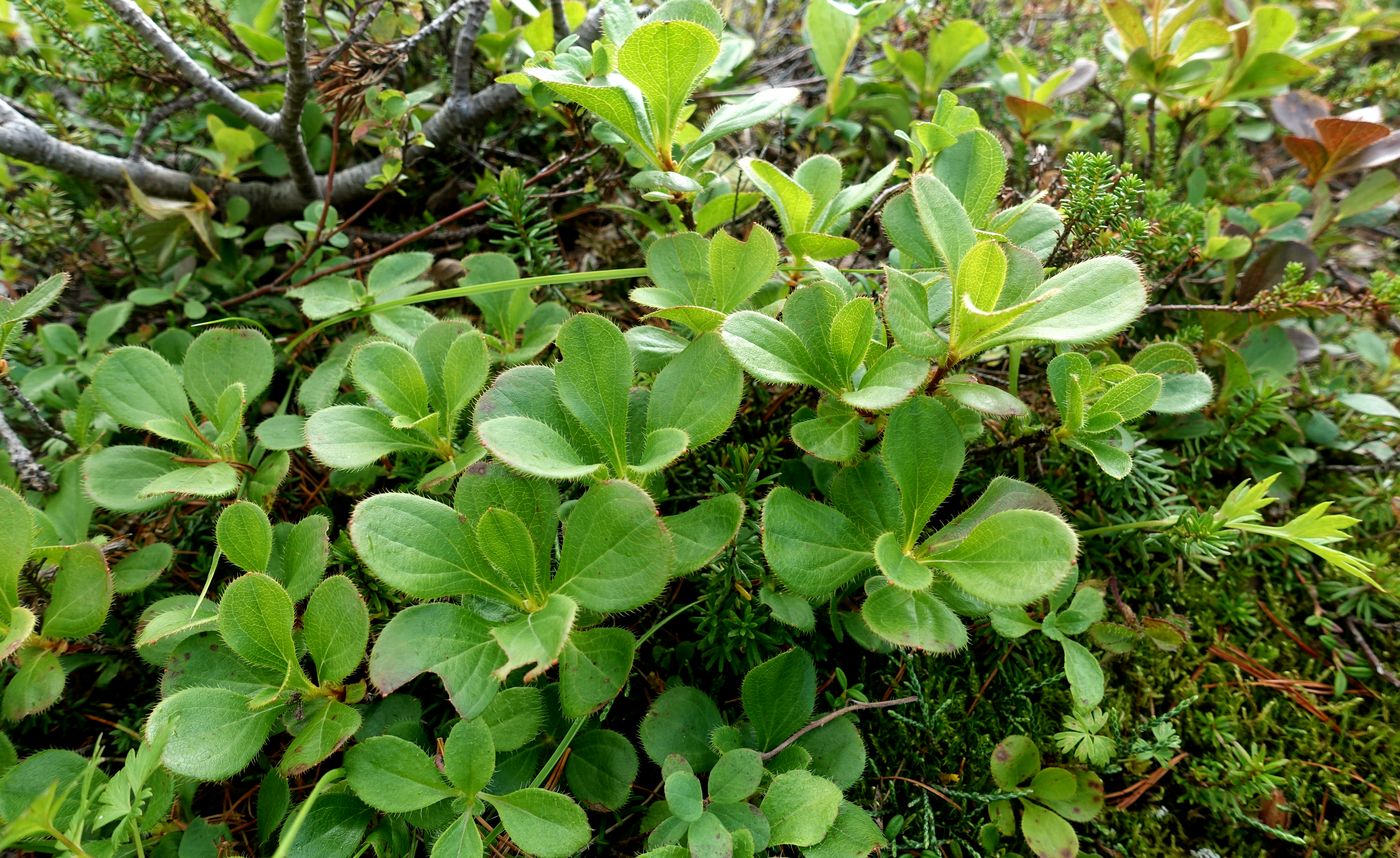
<point>832,716</point>
<point>1381,670</point>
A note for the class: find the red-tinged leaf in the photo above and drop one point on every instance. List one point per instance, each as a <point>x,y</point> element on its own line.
<point>1310,153</point>
<point>1343,137</point>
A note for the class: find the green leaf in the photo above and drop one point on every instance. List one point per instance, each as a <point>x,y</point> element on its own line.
<point>335,629</point>
<point>812,548</point>
<point>221,357</point>
<point>81,594</point>
<point>394,775</point>
<point>398,275</point>
<point>355,436</point>
<point>834,437</point>
<point>1084,675</point>
<point>853,835</point>
<point>536,639</point>
<point>616,555</point>
<point>601,767</point>
<point>305,553</point>
<point>421,547</point>
<point>515,717</point>
<point>461,839</point>
<point>283,432</point>
<point>901,568</point>
<point>800,807</point>
<point>737,115</point>
<point>888,381</point>
<point>792,202</point>
<point>680,721</point>
<point>116,476</point>
<point>534,448</point>
<point>736,776</point>
<point>593,668</point>
<point>984,398</point>
<point>974,168</point>
<point>325,725</point>
<point>768,350</point>
<point>19,624</point>
<point>684,796</point>
<point>698,392</point>
<point>209,481</point>
<point>35,687</point>
<point>592,381</point>
<point>1047,834</point>
<point>1115,462</point>
<point>1015,760</point>
<point>700,533</point>
<point>662,447</point>
<point>211,734</point>
<point>1011,558</point>
<point>390,374</point>
<point>140,390</point>
<point>666,60</point>
<point>469,756</point>
<point>16,541</point>
<point>510,549</point>
<point>1085,803</point>
<point>778,696</point>
<point>915,619</point>
<point>245,536</point>
<point>542,823</point>
<point>617,102</point>
<point>833,33</point>
<point>1084,303</point>
<point>944,221</point>
<point>255,620</point>
<point>923,451</point>
<point>444,639</point>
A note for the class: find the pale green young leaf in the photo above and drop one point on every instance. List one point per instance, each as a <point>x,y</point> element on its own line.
<point>661,448</point>
<point>394,775</point>
<point>508,546</point>
<point>1127,400</point>
<point>1114,461</point>
<point>245,536</point>
<point>210,733</point>
<point>833,33</point>
<point>81,594</point>
<point>35,686</point>
<point>593,380</point>
<point>398,275</point>
<point>535,448</point>
<point>1011,558</point>
<point>461,839</point>
<point>666,60</point>
<point>943,219</point>
<point>210,481</point>
<point>902,570</point>
<point>736,776</point>
<point>684,795</point>
<point>335,627</point>
<point>973,169</point>
<point>983,397</point>
<point>746,113</point>
<point>1084,675</point>
<point>792,202</point>
<point>535,639</point>
<point>768,350</point>
<point>834,437</point>
<point>812,548</point>
<point>698,392</point>
<point>1084,303</point>
<point>888,381</point>
<point>616,101</point>
<point>910,317</point>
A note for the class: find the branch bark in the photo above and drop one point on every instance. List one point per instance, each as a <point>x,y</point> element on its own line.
<point>462,114</point>
<point>30,472</point>
<point>295,94</point>
<point>151,33</point>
